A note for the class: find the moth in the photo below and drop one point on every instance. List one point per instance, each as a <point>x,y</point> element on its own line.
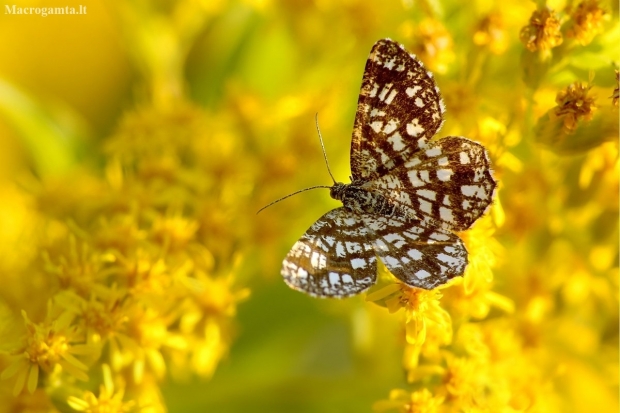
<point>408,194</point>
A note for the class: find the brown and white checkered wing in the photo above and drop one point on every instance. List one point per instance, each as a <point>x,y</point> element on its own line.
<point>398,112</point>
<point>448,185</point>
<point>417,255</point>
<point>334,258</point>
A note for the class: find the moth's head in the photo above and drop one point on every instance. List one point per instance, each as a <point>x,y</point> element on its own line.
<point>337,190</point>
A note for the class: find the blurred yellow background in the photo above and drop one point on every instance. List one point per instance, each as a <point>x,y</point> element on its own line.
<point>138,140</point>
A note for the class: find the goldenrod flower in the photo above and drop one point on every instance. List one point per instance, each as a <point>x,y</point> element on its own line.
<point>474,297</point>
<point>586,21</point>
<point>578,123</point>
<point>574,104</point>
<point>106,401</point>
<point>109,400</point>
<point>427,325</point>
<point>135,285</point>
<point>101,317</point>
<point>402,401</point>
<point>75,264</point>
<point>213,301</point>
<point>490,32</point>
<point>173,232</point>
<point>45,347</point>
<point>433,45</point>
<point>460,377</point>
<point>543,31</point>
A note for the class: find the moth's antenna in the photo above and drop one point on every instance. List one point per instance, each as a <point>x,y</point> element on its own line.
<point>316,119</point>
<point>294,193</point>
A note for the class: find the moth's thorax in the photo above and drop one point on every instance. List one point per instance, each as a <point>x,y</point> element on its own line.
<point>337,191</point>
<point>362,201</point>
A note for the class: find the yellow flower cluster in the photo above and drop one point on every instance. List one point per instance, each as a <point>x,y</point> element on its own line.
<point>499,339</point>
<point>587,21</point>
<point>131,274</point>
<point>543,31</point>
<point>575,104</point>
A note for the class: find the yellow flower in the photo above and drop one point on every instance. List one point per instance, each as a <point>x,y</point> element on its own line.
<point>490,32</point>
<point>133,281</point>
<point>461,98</point>
<point>47,346</point>
<point>473,297</point>
<point>144,136</point>
<point>173,232</point>
<point>543,31</point>
<point>433,45</point>
<point>426,322</point>
<point>600,165</point>
<point>149,332</point>
<point>577,124</point>
<point>586,21</point>
<point>75,264</point>
<point>402,401</point>
<point>207,317</point>
<point>102,317</point>
<point>108,400</point>
<point>215,296</point>
<point>575,104</point>
<point>461,376</point>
